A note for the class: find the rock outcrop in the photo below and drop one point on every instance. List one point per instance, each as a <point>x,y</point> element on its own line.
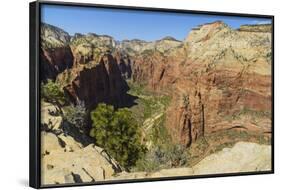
<point>225,74</point>
<point>55,53</point>
<point>90,47</point>
<point>124,63</point>
<point>136,46</point>
<point>243,157</point>
<point>100,82</point>
<point>84,67</point>
<point>65,159</point>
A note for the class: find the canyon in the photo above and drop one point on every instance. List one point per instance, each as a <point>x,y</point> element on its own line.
<point>218,79</point>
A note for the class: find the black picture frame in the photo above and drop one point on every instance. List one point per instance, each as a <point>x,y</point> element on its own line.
<point>34,91</point>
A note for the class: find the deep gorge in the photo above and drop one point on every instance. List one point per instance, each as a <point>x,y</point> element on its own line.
<point>205,97</point>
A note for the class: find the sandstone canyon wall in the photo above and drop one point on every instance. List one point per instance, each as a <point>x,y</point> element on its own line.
<point>217,74</point>
<point>83,66</point>
<point>219,78</point>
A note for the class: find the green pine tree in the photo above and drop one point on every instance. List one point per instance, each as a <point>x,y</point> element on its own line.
<point>118,133</point>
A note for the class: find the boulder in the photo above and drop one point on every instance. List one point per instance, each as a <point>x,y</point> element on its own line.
<point>50,119</point>
<point>243,157</point>
<point>66,161</point>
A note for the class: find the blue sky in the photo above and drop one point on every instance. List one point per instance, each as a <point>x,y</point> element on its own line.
<point>131,24</point>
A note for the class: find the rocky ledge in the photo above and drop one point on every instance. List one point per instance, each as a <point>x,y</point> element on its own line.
<point>243,157</point>
<point>66,158</point>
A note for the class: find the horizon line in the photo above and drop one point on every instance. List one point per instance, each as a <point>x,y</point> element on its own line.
<point>135,39</point>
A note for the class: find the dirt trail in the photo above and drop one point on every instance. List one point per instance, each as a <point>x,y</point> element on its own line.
<point>149,122</point>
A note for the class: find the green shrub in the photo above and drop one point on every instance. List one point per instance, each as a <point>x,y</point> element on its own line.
<point>118,133</point>
<point>163,156</point>
<point>151,162</point>
<point>176,155</point>
<point>52,93</point>
<point>76,114</point>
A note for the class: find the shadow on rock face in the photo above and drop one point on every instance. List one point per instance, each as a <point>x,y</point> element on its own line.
<point>129,101</point>
<point>80,136</point>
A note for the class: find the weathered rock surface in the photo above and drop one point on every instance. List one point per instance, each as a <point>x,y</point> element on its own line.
<point>49,117</point>
<point>100,82</point>
<point>135,47</point>
<point>124,63</point>
<point>65,160</point>
<point>90,47</point>
<point>55,53</point>
<point>224,74</point>
<point>53,36</point>
<point>84,67</point>
<point>243,157</point>
<point>216,73</point>
<point>67,156</point>
<point>218,78</point>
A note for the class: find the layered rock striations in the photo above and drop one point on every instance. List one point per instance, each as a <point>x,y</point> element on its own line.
<point>83,66</point>
<point>218,78</point>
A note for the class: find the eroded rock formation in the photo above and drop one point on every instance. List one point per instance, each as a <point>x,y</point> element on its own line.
<point>84,67</point>
<point>55,54</point>
<point>98,83</point>
<point>219,78</point>
<point>222,72</point>
<point>65,159</point>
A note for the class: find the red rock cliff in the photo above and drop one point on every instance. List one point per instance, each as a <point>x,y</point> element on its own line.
<point>223,78</point>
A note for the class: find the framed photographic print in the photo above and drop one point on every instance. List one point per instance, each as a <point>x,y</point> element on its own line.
<point>131,94</point>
